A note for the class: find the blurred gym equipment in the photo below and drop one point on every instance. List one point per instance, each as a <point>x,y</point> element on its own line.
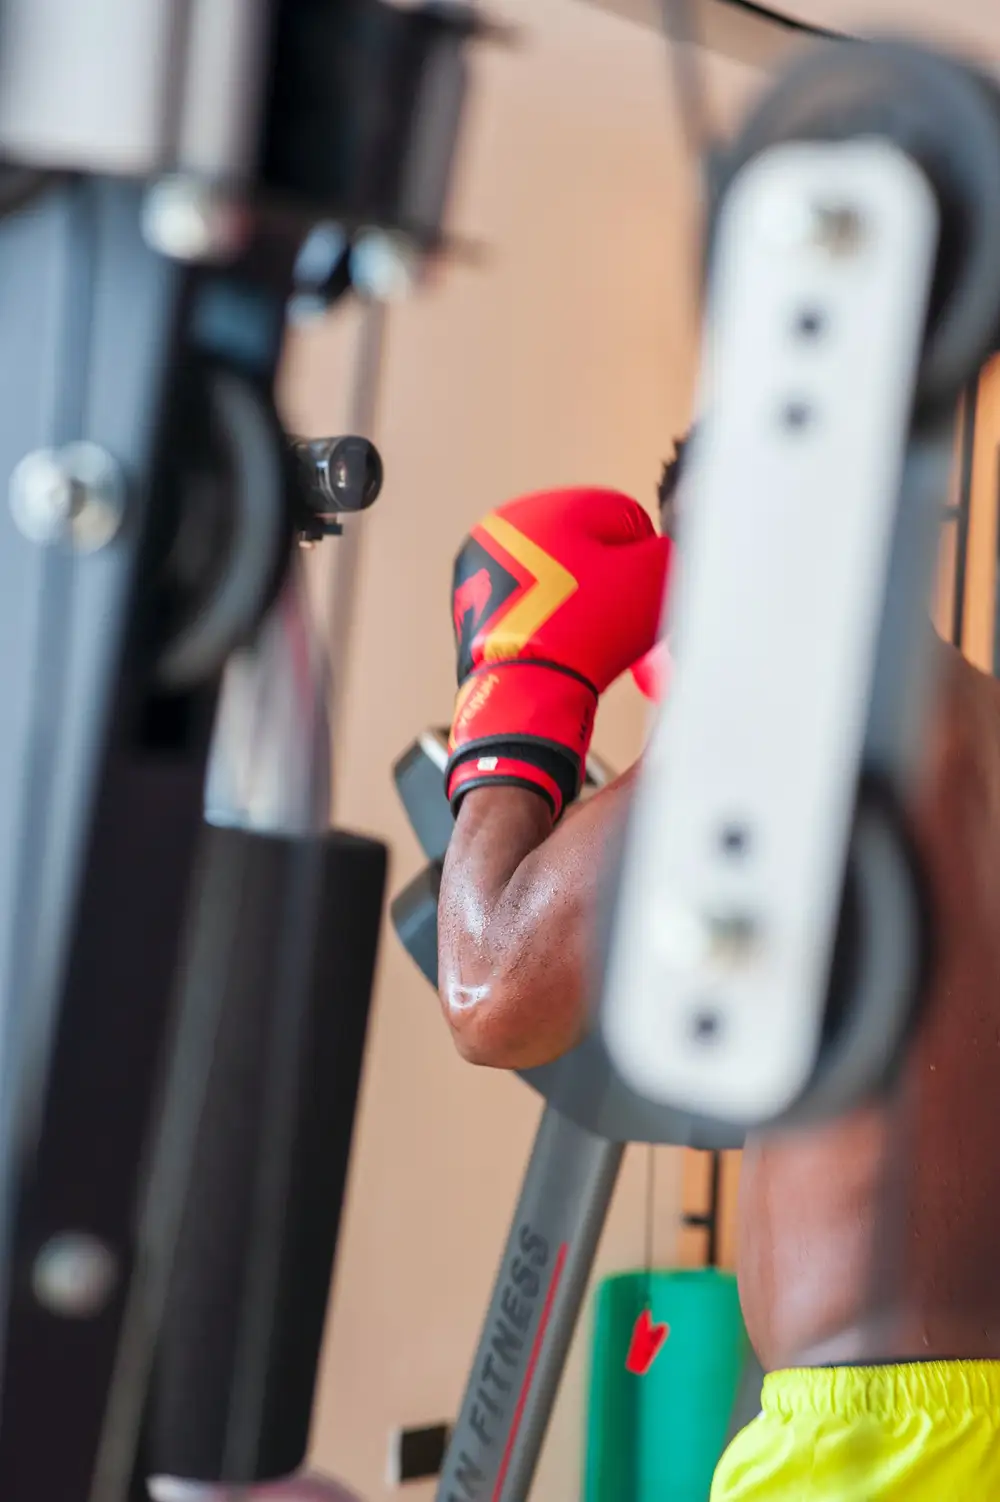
<point>186,949</point>
<point>185,967</point>
<point>852,175</point>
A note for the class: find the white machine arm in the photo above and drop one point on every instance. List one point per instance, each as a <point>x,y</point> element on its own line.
<point>719,972</point>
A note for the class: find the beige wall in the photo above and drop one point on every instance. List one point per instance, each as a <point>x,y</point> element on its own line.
<point>981,564</point>
<point>566,357</point>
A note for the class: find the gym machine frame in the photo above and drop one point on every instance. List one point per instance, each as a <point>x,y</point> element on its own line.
<point>154,212</point>
<point>184,971</point>
<point>862,199</point>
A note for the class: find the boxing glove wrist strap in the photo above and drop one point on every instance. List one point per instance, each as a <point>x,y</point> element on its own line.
<point>492,770</point>
<point>525,723</point>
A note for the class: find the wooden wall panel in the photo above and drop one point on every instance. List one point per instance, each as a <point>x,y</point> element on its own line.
<point>692,1241</point>
<point>981,561</point>
<point>728,1206</point>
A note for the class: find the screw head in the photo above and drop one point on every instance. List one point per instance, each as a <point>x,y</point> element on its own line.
<point>187,219</point>
<point>838,228</point>
<point>690,940</point>
<point>75,494</point>
<point>797,223</point>
<point>706,1025</point>
<point>384,265</point>
<point>733,939</point>
<point>74,1275</point>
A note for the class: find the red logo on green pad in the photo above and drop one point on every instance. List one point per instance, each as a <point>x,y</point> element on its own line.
<point>645,1344</point>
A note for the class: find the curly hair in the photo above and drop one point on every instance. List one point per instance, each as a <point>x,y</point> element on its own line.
<point>669,480</point>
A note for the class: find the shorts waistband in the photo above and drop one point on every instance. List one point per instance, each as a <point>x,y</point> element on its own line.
<point>874,1391</point>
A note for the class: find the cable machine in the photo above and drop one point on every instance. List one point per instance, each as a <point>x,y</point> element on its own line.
<point>186,949</point>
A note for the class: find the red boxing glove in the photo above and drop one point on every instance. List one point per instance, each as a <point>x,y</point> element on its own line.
<point>555,595</point>
<point>652,673</point>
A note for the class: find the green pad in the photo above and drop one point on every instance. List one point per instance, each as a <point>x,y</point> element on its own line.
<point>658,1437</point>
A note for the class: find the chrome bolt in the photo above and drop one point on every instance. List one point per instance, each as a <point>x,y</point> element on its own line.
<point>74,1275</point>
<point>75,495</point>
<point>319,253</point>
<point>383,265</point>
<point>315,265</point>
<point>733,939</point>
<point>690,940</point>
<point>187,219</point>
<point>837,228</point>
<point>796,223</point>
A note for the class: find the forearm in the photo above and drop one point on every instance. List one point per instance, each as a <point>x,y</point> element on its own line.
<point>517,919</point>
<point>519,899</point>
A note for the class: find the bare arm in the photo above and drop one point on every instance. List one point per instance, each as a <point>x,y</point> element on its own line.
<point>516,920</point>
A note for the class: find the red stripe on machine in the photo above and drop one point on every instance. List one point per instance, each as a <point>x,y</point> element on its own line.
<point>529,1374</point>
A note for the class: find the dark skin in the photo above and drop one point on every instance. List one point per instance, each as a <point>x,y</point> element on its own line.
<point>873,1237</point>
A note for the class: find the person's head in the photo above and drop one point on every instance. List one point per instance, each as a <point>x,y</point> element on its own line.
<point>666,491</point>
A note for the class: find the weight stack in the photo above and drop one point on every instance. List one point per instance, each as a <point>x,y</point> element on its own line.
<point>270,1044</point>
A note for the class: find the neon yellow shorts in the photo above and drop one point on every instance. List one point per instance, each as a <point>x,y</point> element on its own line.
<point>927,1431</point>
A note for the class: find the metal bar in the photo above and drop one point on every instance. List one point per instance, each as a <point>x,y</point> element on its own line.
<point>224,81</point>
<point>98,824</point>
<point>708,1220</point>
<point>345,558</point>
<point>714,1194</point>
<point>546,1263</point>
<point>754,35</point>
<point>270,763</point>
<point>969,405</point>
